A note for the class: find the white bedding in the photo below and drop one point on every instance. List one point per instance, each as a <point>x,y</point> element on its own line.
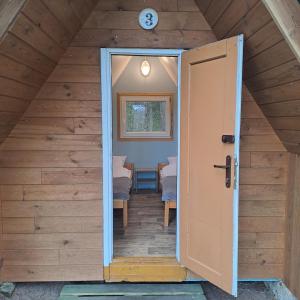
<point>170,169</point>
<point>118,167</point>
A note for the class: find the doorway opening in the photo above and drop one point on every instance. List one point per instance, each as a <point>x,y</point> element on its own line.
<point>141,120</point>
<point>144,155</point>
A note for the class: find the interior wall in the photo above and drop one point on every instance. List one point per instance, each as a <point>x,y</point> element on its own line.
<point>145,154</point>
<point>50,165</point>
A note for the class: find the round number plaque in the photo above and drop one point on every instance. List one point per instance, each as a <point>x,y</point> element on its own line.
<point>148,18</point>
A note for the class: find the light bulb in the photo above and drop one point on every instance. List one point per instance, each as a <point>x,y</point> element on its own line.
<point>145,68</point>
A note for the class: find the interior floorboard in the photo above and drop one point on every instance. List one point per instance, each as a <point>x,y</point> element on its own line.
<point>145,234</point>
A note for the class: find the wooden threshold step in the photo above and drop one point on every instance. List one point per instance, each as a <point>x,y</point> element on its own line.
<point>116,291</point>
<point>145,269</point>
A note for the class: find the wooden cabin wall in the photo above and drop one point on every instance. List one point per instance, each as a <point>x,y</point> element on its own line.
<point>34,34</point>
<point>50,165</point>
<point>263,186</point>
<point>271,69</point>
<point>51,179</point>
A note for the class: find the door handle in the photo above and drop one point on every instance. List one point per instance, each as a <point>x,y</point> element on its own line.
<point>221,167</point>
<point>227,168</point>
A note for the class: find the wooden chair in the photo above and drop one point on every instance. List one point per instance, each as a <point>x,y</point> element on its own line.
<point>168,204</point>
<point>120,203</point>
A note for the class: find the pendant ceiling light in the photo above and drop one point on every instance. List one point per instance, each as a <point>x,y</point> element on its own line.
<point>145,68</point>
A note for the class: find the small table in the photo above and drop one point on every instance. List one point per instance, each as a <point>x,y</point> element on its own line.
<point>146,179</point>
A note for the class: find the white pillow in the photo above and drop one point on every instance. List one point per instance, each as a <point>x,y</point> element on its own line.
<point>118,167</point>
<point>122,172</point>
<point>119,160</point>
<point>169,170</point>
<point>172,160</point>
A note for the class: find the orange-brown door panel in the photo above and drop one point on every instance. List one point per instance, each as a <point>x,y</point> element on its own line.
<point>210,108</point>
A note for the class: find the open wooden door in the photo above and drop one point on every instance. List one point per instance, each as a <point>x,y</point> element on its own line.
<point>209,161</point>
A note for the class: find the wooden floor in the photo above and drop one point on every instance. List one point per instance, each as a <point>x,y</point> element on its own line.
<point>145,234</point>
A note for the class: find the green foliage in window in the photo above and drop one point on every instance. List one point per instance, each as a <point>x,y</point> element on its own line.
<point>145,116</point>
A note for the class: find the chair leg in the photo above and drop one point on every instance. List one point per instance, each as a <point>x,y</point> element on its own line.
<point>125,213</point>
<point>167,210</point>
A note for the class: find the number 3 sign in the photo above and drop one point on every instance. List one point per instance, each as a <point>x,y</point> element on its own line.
<point>148,18</point>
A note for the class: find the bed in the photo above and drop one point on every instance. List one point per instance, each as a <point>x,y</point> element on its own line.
<point>121,192</point>
<point>168,187</point>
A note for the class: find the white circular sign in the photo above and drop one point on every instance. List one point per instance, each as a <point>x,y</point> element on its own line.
<point>148,18</point>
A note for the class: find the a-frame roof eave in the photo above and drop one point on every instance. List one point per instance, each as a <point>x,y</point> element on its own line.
<point>286,15</point>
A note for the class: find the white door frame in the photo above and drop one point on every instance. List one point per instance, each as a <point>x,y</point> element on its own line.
<point>106,88</point>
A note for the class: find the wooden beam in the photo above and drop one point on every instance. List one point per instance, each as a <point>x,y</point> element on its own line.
<point>286,14</point>
<point>8,11</point>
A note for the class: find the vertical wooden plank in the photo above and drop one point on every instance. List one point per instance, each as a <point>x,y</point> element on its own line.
<point>292,257</point>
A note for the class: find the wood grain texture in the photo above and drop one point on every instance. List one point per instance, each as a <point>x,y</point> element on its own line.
<point>40,15</point>
<point>293,226</point>
<point>75,109</point>
<point>55,192</point>
<point>286,16</point>
<point>69,91</point>
<point>271,33</point>
<point>264,38</point>
<point>136,5</point>
<point>18,225</point>
<point>20,72</point>
<point>145,234</point>
<point>65,13</point>
<point>127,20</point>
<point>52,142</point>
<point>255,19</point>
<point>119,38</point>
<point>262,196</point>
<point>284,92</point>
<point>272,75</point>
<point>261,240</point>
<point>34,34</point>
<point>40,167</point>
<point>41,203</point>
<point>20,51</point>
<point>18,209</point>
<point>234,12</point>
<point>52,273</point>
<point>71,175</point>
<point>215,10</point>
<point>44,159</point>
<point>24,29</point>
<point>68,225</point>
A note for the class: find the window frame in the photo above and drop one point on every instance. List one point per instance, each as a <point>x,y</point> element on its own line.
<point>124,135</point>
